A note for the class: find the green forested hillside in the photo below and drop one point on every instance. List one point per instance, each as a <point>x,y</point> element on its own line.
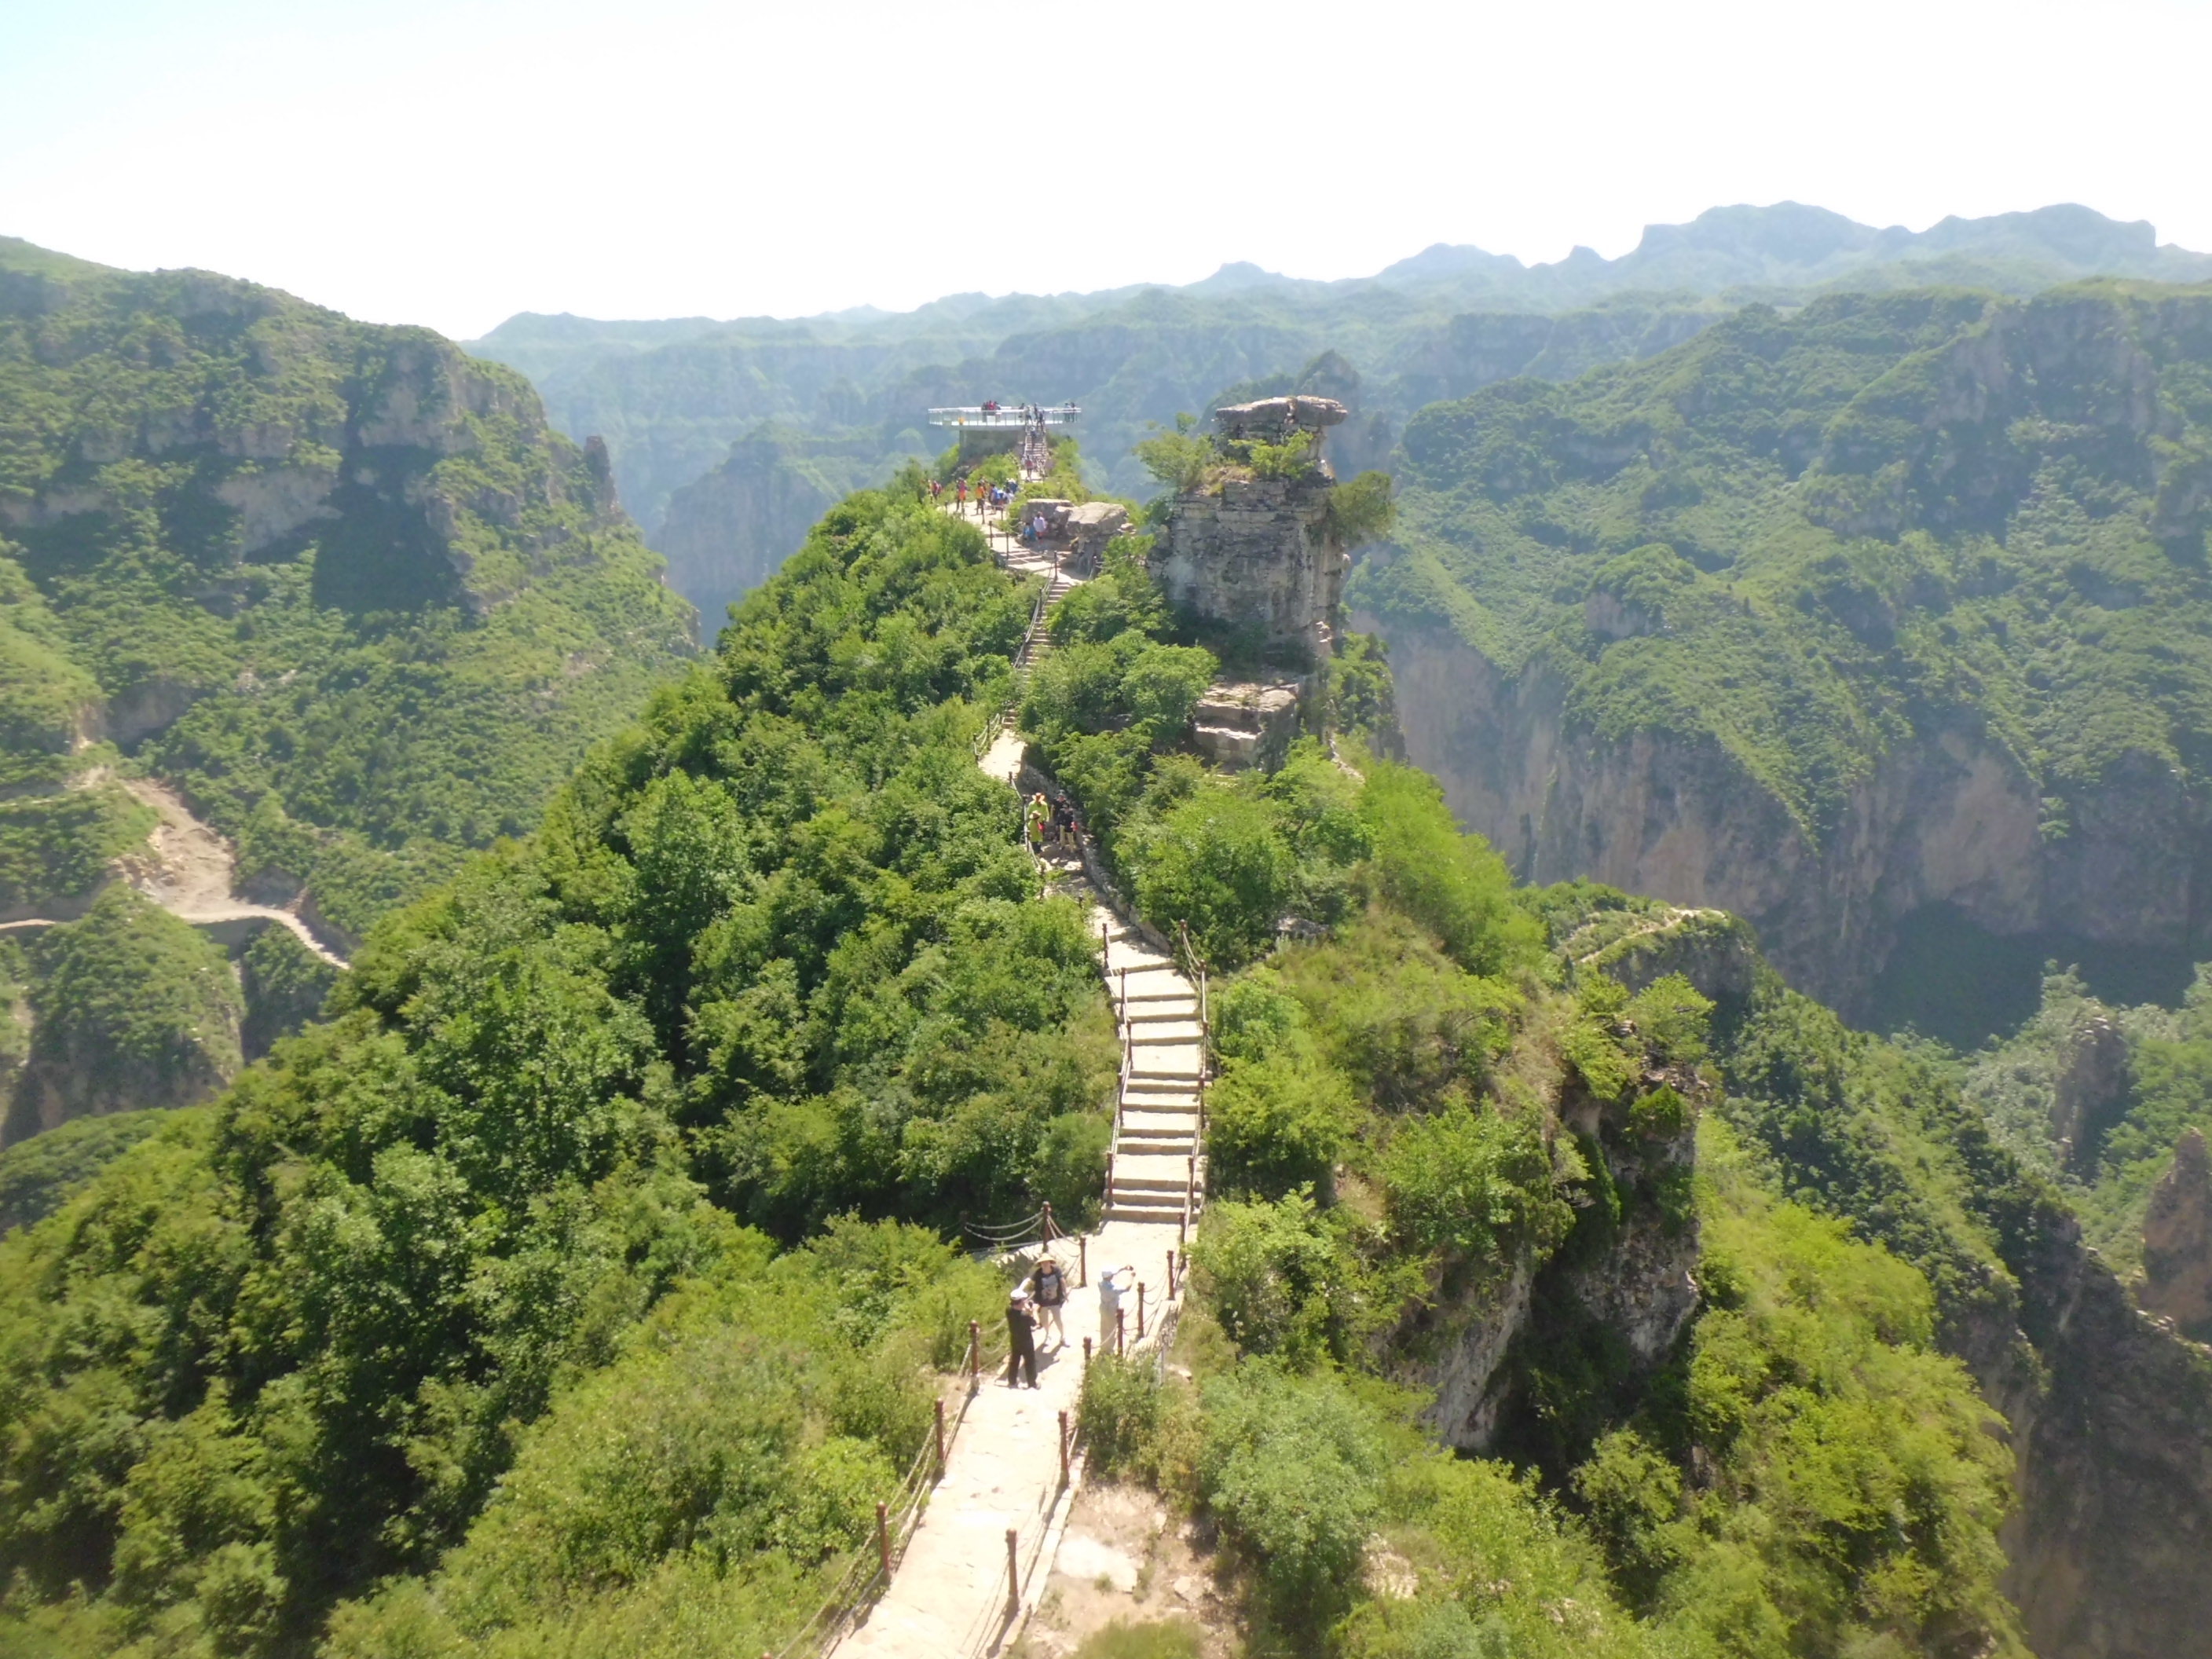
<point>459,1325</point>
<point>341,586</point>
<point>774,956</point>
<point>1881,508</point>
<point>1805,574</point>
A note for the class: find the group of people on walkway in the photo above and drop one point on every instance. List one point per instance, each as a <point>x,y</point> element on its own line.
<point>1052,825</point>
<point>987,493</point>
<point>1039,1304</point>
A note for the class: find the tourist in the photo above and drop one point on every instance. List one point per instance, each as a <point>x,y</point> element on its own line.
<point>1021,1340</point>
<point>960,494</point>
<point>1113,1284</point>
<point>1049,1286</point>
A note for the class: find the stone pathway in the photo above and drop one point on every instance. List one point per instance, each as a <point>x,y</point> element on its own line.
<point>953,1594</point>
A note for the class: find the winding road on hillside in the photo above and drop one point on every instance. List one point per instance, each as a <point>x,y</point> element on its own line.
<point>958,1592</point>
<point>189,870</point>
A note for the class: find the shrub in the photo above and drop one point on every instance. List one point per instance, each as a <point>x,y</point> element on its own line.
<point>1660,1114</point>
<point>1361,510</point>
<point>1287,1278</point>
<point>1293,458</point>
<point>1218,864</point>
<point>1119,1414</point>
<point>1178,459</point>
<point>1452,884</point>
<point>1277,1124</point>
<point>1291,1466</point>
<point>1673,1018</point>
<point>1475,1183</point>
<point>1254,1016</point>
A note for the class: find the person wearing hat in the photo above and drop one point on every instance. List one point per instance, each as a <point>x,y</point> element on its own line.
<point>1021,1339</point>
<point>1113,1284</point>
<point>1048,1284</point>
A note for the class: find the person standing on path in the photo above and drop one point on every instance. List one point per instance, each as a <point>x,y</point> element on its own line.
<point>1021,1339</point>
<point>1049,1286</point>
<point>960,494</point>
<point>1113,1284</point>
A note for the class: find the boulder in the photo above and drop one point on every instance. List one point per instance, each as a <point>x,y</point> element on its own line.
<point>1270,415</point>
<point>1240,724</point>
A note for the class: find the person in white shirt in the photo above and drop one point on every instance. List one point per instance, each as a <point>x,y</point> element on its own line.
<point>1113,1284</point>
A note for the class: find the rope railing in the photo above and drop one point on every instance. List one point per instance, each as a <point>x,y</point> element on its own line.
<point>871,1564</point>
<point>1029,1229</point>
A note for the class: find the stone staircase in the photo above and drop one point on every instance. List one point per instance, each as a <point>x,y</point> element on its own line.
<point>1158,1168</point>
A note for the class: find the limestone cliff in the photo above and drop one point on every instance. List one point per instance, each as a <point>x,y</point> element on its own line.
<point>727,531</point>
<point>2111,1424</point>
<point>1947,816</point>
<point>2177,1241</point>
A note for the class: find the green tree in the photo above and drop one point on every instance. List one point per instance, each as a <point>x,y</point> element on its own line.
<point>1218,864</point>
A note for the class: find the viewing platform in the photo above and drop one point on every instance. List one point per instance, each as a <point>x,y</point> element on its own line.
<point>1009,416</point>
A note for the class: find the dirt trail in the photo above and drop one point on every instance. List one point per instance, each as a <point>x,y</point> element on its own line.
<point>188,870</point>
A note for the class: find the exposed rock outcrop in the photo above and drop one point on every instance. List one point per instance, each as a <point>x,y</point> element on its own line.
<point>1237,725</point>
<point>1629,1268</point>
<point>1253,556</point>
<point>2112,1425</point>
<point>2091,1090</point>
<point>2177,1241</point>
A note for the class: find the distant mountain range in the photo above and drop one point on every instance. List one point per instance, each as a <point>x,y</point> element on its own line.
<point>754,401</point>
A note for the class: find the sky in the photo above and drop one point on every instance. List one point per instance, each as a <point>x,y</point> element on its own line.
<point>454,162</point>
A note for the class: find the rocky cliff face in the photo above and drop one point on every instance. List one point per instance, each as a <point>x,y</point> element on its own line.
<point>2113,1432</point>
<point>727,532</point>
<point>2177,1241</point>
<point>1948,817</point>
<point>1832,620</point>
<point>1629,1268</point>
<point>1252,554</point>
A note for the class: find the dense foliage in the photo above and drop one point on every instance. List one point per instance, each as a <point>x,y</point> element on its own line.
<point>774,957</point>
<point>130,1008</point>
<point>37,1173</point>
<point>1397,1141</point>
<point>2093,1098</point>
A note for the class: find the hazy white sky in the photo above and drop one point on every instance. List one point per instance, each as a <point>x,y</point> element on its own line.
<point>453,161</point>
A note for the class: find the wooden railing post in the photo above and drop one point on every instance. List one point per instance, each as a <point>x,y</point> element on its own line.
<point>1140,1310</point>
<point>974,1355</point>
<point>883,1539</point>
<point>1063,1448</point>
<point>940,1439</point>
<point>1013,1568</point>
<point>1051,1228</point>
<point>1087,1355</point>
<point>1082,1259</point>
<point>1171,1275</point>
<point>1121,1330</point>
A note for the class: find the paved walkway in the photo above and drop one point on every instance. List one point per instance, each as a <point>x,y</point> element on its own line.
<point>952,1595</point>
